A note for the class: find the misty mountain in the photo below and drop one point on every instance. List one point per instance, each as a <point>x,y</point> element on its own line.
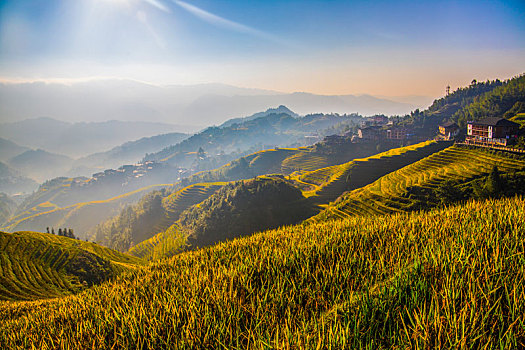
<point>7,207</point>
<point>9,149</point>
<point>12,182</point>
<point>79,139</point>
<point>127,153</point>
<point>41,165</point>
<point>279,110</point>
<point>193,106</point>
<point>253,133</point>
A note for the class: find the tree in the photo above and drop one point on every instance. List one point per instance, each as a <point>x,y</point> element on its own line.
<point>47,229</point>
<point>494,183</point>
<point>201,154</point>
<point>60,232</point>
<point>449,192</point>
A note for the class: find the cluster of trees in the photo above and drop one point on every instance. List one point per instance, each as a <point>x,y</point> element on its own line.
<point>242,208</point>
<point>506,100</point>
<point>494,98</point>
<point>493,185</point>
<point>134,224</point>
<point>462,97</point>
<point>65,232</point>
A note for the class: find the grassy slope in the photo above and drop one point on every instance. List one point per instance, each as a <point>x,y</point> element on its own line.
<point>389,193</point>
<point>448,278</point>
<point>80,216</point>
<point>40,265</point>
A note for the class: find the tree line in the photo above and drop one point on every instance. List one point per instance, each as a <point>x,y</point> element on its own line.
<point>65,232</point>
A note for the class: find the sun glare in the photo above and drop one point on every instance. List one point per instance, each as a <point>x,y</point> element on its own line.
<point>117,2</point>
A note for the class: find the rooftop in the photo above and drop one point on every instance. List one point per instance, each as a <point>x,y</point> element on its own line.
<point>494,121</point>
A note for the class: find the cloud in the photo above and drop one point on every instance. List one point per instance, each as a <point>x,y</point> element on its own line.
<point>224,23</point>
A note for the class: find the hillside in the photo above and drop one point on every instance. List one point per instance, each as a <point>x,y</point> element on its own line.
<point>128,153</point>
<point>7,207</point>
<point>154,213</point>
<point>134,224</point>
<point>41,165</point>
<point>443,279</point>
<point>221,217</point>
<point>242,208</point>
<point>77,139</point>
<point>504,101</point>
<point>414,186</point>
<point>279,110</point>
<point>82,216</point>
<point>12,181</point>
<point>9,149</point>
<point>425,123</point>
<point>253,133</point>
<point>41,265</point>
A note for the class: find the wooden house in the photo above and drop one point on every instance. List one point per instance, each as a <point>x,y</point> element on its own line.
<point>397,133</point>
<point>374,132</point>
<point>492,131</point>
<point>448,130</point>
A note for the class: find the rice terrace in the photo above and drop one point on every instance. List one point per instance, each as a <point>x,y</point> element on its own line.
<point>191,174</point>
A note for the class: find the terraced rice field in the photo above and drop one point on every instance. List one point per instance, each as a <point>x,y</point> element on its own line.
<point>181,200</point>
<point>81,216</point>
<point>166,239</point>
<point>325,185</point>
<point>269,161</point>
<point>37,265</point>
<point>388,194</point>
<point>305,161</point>
<point>444,279</point>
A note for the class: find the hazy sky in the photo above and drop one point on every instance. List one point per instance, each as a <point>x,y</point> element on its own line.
<point>329,47</point>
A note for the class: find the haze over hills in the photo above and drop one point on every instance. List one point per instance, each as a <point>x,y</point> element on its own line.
<point>79,139</point>
<point>12,181</point>
<point>41,165</point>
<point>199,105</point>
<point>128,153</point>
<point>10,149</point>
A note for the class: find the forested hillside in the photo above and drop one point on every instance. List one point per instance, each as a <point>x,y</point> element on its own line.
<point>221,217</point>
<point>476,101</point>
<point>134,224</point>
<point>504,101</point>
<point>242,208</point>
<point>267,131</point>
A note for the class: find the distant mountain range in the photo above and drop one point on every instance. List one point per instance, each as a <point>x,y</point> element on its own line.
<point>128,153</point>
<point>78,139</point>
<point>12,182</point>
<point>191,107</point>
<point>10,149</point>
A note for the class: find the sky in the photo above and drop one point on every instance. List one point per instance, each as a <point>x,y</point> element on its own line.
<point>386,48</point>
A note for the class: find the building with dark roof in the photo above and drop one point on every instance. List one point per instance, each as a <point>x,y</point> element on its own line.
<point>397,133</point>
<point>492,130</point>
<point>448,130</point>
<point>374,132</point>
